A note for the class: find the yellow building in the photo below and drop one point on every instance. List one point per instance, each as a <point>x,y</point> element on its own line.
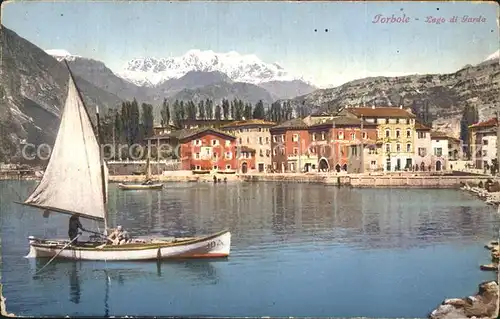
<point>255,135</point>
<point>395,129</point>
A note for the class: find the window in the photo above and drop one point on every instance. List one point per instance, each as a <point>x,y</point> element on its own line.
<point>197,155</point>
<point>438,151</point>
<point>261,153</point>
<point>485,142</point>
<point>353,136</point>
<point>215,155</point>
<point>196,142</point>
<point>282,151</point>
<point>267,140</point>
<point>314,136</point>
<point>485,153</point>
<point>229,155</point>
<point>197,167</point>
<point>422,151</point>
<point>215,142</point>
<point>260,140</point>
<point>398,147</point>
<point>373,163</point>
<point>268,152</point>
<point>408,121</point>
<point>248,140</point>
<point>364,135</point>
<point>340,135</point>
<point>408,148</point>
<point>295,138</point>
<point>228,143</point>
<point>274,139</point>
<point>228,166</point>
<point>323,136</point>
<point>354,150</point>
<point>275,166</point>
<point>295,151</point>
<point>282,137</point>
<point>421,135</point>
<point>387,133</point>
<point>215,167</point>
<point>398,133</point>
<point>408,133</point>
<point>388,148</point>
<point>239,141</point>
<point>274,152</point>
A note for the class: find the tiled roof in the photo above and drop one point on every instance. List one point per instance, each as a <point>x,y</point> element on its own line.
<point>343,120</point>
<point>489,123</point>
<point>187,133</point>
<point>441,135</point>
<point>388,112</point>
<point>420,127</point>
<point>252,122</point>
<point>297,123</point>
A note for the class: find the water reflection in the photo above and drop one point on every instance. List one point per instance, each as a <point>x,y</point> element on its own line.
<point>74,284</point>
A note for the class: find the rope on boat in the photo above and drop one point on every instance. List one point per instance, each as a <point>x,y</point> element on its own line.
<point>65,246</point>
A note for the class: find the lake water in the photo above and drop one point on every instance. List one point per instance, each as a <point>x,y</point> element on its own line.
<point>297,250</point>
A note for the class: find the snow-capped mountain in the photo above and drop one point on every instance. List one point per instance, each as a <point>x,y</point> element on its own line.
<point>60,54</point>
<point>494,55</point>
<point>239,68</point>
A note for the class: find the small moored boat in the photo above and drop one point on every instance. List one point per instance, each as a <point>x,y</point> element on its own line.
<point>140,186</point>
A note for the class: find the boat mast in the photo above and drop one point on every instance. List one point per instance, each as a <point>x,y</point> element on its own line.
<point>98,133</point>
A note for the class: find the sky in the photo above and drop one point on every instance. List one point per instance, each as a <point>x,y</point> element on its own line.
<point>328,43</point>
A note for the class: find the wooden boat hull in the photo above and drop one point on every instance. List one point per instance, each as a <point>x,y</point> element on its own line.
<point>213,246</point>
<point>139,186</point>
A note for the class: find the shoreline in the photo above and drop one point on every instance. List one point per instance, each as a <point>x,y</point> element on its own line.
<point>366,180</point>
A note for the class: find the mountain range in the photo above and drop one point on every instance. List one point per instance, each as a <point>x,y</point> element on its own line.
<point>33,87</point>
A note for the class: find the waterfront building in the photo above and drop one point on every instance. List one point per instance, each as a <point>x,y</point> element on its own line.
<point>325,143</point>
<point>254,135</point>
<point>423,147</point>
<point>475,139</point>
<point>395,129</point>
<point>206,149</point>
<point>289,147</point>
<point>485,147</point>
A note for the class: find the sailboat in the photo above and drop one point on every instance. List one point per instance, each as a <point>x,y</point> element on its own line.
<point>143,185</point>
<point>75,183</point>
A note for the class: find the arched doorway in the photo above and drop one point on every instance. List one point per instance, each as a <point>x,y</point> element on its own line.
<point>438,165</point>
<point>337,168</point>
<point>344,167</point>
<point>244,167</point>
<point>323,164</point>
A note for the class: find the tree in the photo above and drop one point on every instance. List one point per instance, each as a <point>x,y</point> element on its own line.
<point>470,115</point>
<point>177,114</point>
<point>147,120</point>
<point>217,112</point>
<point>190,110</point>
<point>259,112</point>
<point>239,109</point>
<point>247,113</point>
<point>201,110</point>
<point>209,107</point>
<point>165,113</point>
<point>225,109</point>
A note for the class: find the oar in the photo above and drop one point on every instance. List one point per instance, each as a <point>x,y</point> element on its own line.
<point>57,254</point>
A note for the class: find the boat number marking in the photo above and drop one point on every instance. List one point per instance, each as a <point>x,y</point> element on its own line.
<point>214,243</point>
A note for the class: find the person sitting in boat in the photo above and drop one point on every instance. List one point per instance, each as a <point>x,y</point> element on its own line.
<point>124,238</point>
<point>148,182</point>
<point>114,237</point>
<point>74,225</point>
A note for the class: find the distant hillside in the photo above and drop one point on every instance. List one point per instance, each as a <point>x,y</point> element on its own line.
<point>33,88</point>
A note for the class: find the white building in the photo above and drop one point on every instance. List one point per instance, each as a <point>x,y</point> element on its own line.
<point>440,151</point>
<point>486,147</point>
<point>423,147</point>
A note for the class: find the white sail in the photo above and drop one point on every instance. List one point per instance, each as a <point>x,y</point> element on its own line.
<point>72,182</point>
